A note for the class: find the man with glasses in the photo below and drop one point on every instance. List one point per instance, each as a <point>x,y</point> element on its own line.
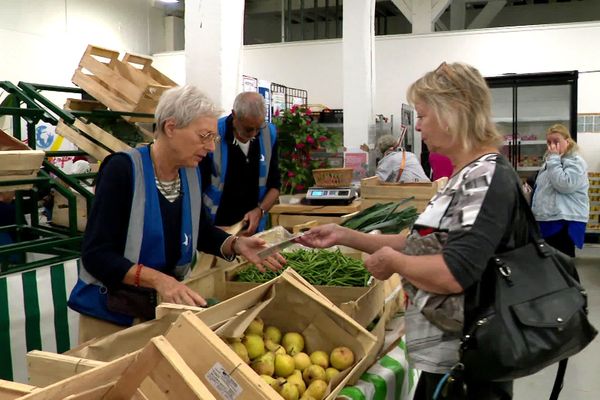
<point>241,178</point>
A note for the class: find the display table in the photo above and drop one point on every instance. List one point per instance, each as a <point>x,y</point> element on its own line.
<point>289,215</point>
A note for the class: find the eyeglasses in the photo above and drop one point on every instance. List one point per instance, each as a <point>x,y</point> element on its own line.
<point>251,130</point>
<point>208,137</point>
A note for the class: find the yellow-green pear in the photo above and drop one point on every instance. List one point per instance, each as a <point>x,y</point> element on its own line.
<point>274,383</point>
<point>255,346</point>
<point>341,358</point>
<point>320,357</point>
<point>274,347</point>
<point>302,361</point>
<point>314,372</point>
<point>289,391</point>
<point>265,364</point>
<point>307,397</point>
<point>293,343</point>
<point>273,333</point>
<point>316,389</point>
<point>255,327</point>
<point>296,379</point>
<point>331,373</point>
<point>241,351</point>
<point>284,365</point>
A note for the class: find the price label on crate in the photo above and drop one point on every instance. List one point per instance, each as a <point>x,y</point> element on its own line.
<point>222,382</point>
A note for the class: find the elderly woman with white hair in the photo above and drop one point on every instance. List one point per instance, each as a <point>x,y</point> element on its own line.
<point>397,164</point>
<point>147,222</point>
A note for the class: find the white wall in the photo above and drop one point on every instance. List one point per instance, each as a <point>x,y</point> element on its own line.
<point>43,40</point>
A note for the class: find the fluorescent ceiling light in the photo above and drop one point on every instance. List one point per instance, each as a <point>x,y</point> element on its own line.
<point>169,1</point>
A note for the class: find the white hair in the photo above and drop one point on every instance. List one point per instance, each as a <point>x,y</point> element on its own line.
<point>184,104</point>
<point>249,104</point>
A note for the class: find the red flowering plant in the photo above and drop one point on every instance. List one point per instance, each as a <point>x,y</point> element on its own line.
<point>298,139</point>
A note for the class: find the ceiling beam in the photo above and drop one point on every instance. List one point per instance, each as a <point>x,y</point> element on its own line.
<point>438,7</point>
<point>458,11</point>
<point>487,14</point>
<point>405,7</point>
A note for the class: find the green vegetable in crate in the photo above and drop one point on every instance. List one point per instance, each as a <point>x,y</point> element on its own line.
<point>384,217</point>
<point>318,267</point>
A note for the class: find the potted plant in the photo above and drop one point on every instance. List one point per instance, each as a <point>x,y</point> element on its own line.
<point>299,139</point>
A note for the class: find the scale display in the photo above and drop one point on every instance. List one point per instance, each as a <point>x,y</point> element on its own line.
<point>330,194</point>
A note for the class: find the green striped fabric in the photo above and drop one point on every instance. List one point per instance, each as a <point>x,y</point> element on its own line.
<point>34,316</point>
<point>390,378</point>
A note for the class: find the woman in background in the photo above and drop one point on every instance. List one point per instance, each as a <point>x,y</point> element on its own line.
<point>398,165</point>
<point>560,200</point>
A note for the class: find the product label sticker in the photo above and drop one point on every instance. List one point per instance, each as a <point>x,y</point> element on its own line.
<point>222,382</point>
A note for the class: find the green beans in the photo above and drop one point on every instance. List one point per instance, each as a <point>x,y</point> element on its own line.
<point>318,267</point>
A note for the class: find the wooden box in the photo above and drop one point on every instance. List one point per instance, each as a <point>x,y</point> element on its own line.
<point>130,85</point>
<point>17,161</point>
<point>158,371</point>
<point>60,211</point>
<point>373,190</point>
<point>91,138</point>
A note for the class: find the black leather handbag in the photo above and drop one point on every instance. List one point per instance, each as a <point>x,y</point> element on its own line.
<point>537,315</point>
<point>134,301</point>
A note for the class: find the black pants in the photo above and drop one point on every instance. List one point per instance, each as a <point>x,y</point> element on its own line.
<point>476,390</point>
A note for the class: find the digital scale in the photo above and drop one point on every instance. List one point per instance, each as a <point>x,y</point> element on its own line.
<point>342,195</point>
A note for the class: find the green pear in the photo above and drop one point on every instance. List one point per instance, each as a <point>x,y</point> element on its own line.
<point>341,358</point>
<point>284,365</point>
<point>265,364</point>
<point>255,327</point>
<point>274,383</point>
<point>331,373</point>
<point>273,333</point>
<point>255,346</point>
<point>274,347</point>
<point>307,397</point>
<point>296,379</point>
<point>302,361</point>
<point>241,351</point>
<point>289,391</point>
<point>320,357</point>
<point>316,389</point>
<point>314,372</point>
<point>293,343</point>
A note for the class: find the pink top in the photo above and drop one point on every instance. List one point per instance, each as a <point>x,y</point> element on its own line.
<point>440,166</point>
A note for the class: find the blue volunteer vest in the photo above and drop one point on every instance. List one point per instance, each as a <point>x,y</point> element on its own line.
<point>212,195</point>
<point>145,236</point>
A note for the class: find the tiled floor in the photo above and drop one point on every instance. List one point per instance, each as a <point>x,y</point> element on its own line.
<point>582,380</point>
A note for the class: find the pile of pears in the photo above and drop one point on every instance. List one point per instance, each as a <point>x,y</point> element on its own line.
<point>280,361</point>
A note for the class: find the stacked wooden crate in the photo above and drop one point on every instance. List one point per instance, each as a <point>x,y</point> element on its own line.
<point>373,190</point>
<point>17,161</point>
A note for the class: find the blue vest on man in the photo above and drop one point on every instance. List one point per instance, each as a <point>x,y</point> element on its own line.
<point>212,194</point>
<point>145,236</point>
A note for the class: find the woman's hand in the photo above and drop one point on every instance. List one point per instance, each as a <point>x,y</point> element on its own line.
<point>173,291</point>
<point>553,148</point>
<point>382,263</point>
<point>249,246</point>
<point>323,236</point>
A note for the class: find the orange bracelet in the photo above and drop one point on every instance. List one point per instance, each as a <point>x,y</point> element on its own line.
<point>138,272</point>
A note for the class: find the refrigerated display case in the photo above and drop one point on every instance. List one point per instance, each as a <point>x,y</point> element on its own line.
<point>524,106</point>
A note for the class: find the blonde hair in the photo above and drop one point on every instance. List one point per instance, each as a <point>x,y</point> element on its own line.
<point>461,100</point>
<point>564,132</point>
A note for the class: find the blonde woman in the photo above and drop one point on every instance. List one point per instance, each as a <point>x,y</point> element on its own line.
<point>560,201</point>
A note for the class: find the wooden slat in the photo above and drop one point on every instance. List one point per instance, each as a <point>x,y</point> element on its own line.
<point>45,368</point>
<point>13,161</point>
<point>83,105</point>
<point>14,390</point>
<point>80,141</point>
<point>101,136</point>
<point>100,92</point>
<point>101,52</point>
<point>126,89</point>
<point>96,393</point>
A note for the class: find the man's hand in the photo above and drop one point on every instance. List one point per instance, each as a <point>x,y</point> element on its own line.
<point>252,218</point>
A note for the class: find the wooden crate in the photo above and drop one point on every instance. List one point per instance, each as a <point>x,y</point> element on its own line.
<point>17,161</point>
<point>119,84</point>
<point>60,211</point>
<point>87,137</point>
<point>158,371</point>
<point>373,190</point>
<point>14,390</point>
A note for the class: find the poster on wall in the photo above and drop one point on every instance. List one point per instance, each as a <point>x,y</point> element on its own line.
<point>249,84</point>
<point>265,92</point>
<point>277,102</point>
<point>47,139</point>
<point>358,161</point>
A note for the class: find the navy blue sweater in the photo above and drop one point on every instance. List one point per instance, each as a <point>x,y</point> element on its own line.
<point>106,231</point>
